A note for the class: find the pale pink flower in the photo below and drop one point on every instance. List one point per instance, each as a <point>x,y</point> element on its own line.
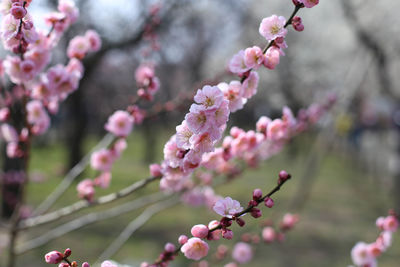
<point>210,97</point>
<point>253,57</point>
<point>195,249</point>
<point>86,189</point>
<point>68,8</point>
<point>8,133</point>
<point>13,150</point>
<point>221,116</point>
<point>78,47</point>
<point>309,3</point>
<point>262,124</point>
<point>103,180</point>
<point>173,156</point>
<point>227,207</point>
<point>289,220</point>
<point>242,252</point>
<point>120,123</point>
<point>272,57</point>
<point>94,40</point>
<point>183,136</point>
<point>390,224</point>
<point>12,66</point>
<point>197,120</point>
<point>273,27</point>
<point>144,74</point>
<point>237,64</point>
<point>268,234</point>
<point>360,255</point>
<point>54,257</point>
<point>277,130</point>
<point>233,93</point>
<point>249,87</point>
<point>101,160</point>
<point>36,112</point>
<point>4,114</point>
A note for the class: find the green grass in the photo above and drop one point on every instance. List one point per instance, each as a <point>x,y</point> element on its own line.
<point>341,210</point>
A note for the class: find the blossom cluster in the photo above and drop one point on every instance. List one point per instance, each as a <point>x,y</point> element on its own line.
<point>196,247</point>
<point>39,91</point>
<point>364,254</point>
<point>206,121</point>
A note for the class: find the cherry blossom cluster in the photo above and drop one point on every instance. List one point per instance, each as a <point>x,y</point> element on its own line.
<point>365,255</point>
<point>246,149</point>
<point>196,248</point>
<point>39,91</point>
<point>206,121</point>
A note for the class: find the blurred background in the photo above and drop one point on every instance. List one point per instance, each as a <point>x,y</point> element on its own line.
<point>346,169</point>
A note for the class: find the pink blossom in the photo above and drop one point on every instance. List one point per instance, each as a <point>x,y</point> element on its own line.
<point>390,224</point>
<point>273,27</point>
<point>195,248</point>
<point>68,8</point>
<point>183,136</point>
<point>272,57</point>
<point>197,120</point>
<point>103,180</point>
<point>277,130</point>
<point>253,57</point>
<point>144,74</point>
<point>268,234</point>
<point>120,123</point>
<point>54,257</point>
<point>36,112</point>
<point>309,3</point>
<point>250,85</point>
<point>85,189</point>
<point>4,114</point>
<point>199,230</point>
<point>78,47</point>
<point>13,150</point>
<point>101,160</point>
<point>94,40</point>
<point>297,24</point>
<point>233,93</point>
<point>231,264</point>
<point>361,256</point>
<point>210,97</point>
<point>8,133</point>
<point>242,252</point>
<point>289,220</point>
<point>227,207</point>
<point>237,64</point>
<point>262,124</point>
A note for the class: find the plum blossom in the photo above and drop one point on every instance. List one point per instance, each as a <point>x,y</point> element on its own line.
<point>309,3</point>
<point>195,249</point>
<point>273,27</point>
<point>54,257</point>
<point>101,160</point>
<point>242,252</point>
<point>237,64</point>
<point>227,207</point>
<point>120,123</point>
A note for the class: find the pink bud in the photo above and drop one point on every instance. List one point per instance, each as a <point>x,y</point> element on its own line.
<point>169,247</point>
<point>257,194</point>
<point>85,264</point>
<point>268,202</point>
<point>182,239</point>
<point>298,3</point>
<point>18,12</point>
<point>67,253</point>
<point>200,231</point>
<point>155,170</point>
<point>63,264</point>
<point>297,24</point>
<point>227,234</point>
<point>54,257</point>
<point>240,222</point>
<point>268,234</point>
<point>283,176</point>
<point>256,213</point>
<point>4,114</point>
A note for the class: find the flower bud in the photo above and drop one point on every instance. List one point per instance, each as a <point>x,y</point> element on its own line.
<point>268,202</point>
<point>54,257</point>
<point>257,194</point>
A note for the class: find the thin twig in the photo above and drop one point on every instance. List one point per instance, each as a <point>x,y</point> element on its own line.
<point>88,219</point>
<point>55,215</point>
<point>135,225</point>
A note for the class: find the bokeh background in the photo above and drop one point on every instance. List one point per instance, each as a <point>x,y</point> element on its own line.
<point>346,170</point>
